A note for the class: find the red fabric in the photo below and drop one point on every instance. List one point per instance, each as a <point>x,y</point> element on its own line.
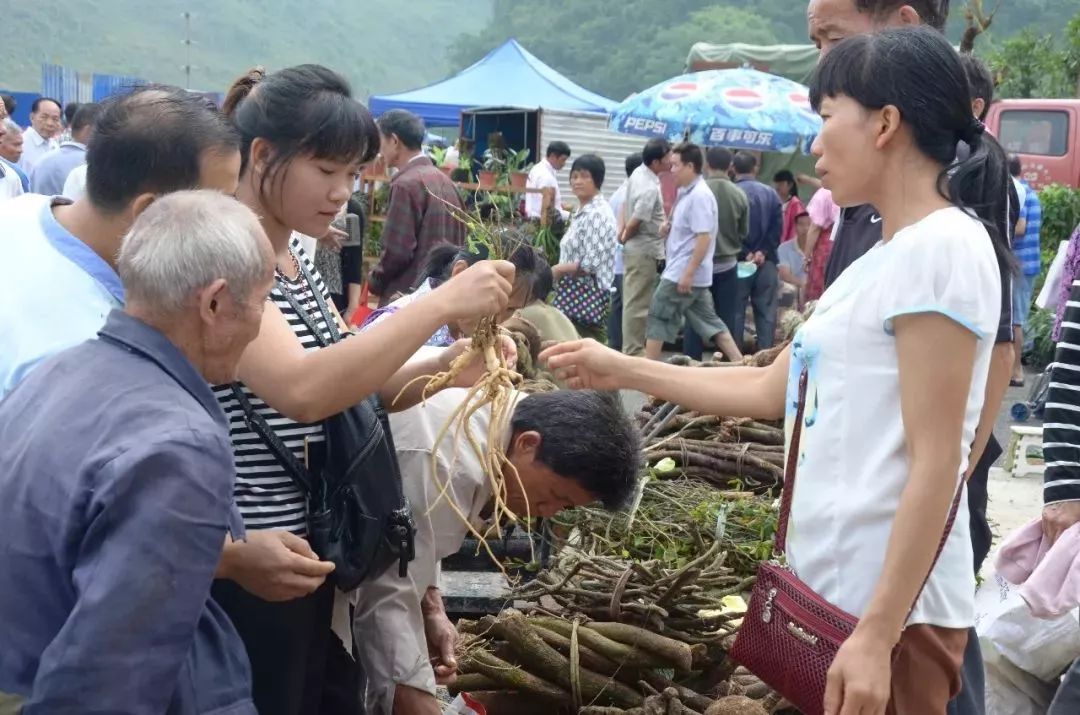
<point>364,309</point>
<point>794,207</point>
<point>815,277</point>
<point>416,221</point>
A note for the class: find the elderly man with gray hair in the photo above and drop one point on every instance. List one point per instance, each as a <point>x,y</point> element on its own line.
<point>116,491</point>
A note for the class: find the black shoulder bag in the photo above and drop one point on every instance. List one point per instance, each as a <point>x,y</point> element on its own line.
<point>358,516</point>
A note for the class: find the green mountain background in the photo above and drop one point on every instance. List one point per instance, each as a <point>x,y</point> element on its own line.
<point>613,47</point>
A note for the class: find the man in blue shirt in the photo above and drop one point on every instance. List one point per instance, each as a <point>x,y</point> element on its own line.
<point>762,289</point>
<point>51,171</point>
<point>1029,257</point>
<point>63,283</point>
<point>116,496</point>
<point>683,292</point>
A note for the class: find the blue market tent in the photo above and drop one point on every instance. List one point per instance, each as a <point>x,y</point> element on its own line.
<point>509,76</point>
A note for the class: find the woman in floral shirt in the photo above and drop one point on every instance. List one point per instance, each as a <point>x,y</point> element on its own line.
<point>588,248</point>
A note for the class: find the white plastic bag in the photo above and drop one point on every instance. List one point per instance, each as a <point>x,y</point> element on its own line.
<point>1024,656</point>
<point>1051,290</point>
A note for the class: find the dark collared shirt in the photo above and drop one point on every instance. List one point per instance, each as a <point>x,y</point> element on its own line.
<point>766,218</point>
<point>416,221</point>
<point>115,500</point>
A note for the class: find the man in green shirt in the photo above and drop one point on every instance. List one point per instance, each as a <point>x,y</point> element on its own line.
<point>734,224</point>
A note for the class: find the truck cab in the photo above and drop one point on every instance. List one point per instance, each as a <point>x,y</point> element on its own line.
<point>1044,133</point>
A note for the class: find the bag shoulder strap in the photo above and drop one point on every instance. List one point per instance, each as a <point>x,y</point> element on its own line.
<point>258,425</point>
<point>320,301</point>
<point>788,490</point>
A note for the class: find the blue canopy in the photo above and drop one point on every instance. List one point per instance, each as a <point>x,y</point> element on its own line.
<point>509,76</point>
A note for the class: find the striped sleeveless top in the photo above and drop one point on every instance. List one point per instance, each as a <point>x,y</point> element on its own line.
<point>265,494</point>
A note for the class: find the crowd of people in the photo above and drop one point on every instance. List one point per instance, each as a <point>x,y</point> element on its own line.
<point>173,356</point>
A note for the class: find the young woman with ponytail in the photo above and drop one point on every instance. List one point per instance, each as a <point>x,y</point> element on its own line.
<point>896,358</point>
<point>304,140</point>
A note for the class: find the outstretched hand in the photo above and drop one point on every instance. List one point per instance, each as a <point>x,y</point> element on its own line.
<point>586,365</point>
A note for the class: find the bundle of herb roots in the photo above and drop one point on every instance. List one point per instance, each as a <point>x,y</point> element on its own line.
<point>531,663</point>
<point>494,390</point>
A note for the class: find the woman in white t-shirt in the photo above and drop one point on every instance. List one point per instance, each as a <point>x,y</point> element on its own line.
<point>897,354</point>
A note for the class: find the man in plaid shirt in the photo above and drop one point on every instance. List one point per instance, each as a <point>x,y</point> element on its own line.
<point>417,219</point>
<point>1027,252</point>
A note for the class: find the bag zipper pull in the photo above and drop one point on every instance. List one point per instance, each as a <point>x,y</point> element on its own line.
<point>766,613</point>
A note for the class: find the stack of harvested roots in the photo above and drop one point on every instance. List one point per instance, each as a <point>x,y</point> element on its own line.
<point>515,662</point>
<point>730,453</point>
<point>684,604</point>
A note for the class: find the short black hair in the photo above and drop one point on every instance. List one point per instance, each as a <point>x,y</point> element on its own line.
<point>302,110</point>
<point>1016,167</point>
<point>932,12</point>
<point>152,140</point>
<point>528,261</point>
<point>408,127</point>
<point>37,104</point>
<point>585,435</point>
<point>592,164</point>
<point>745,163</point>
<point>543,281</point>
<point>69,111</point>
<point>718,158</point>
<point>9,103</point>
<point>86,116</point>
<point>633,161</point>
<point>691,154</point>
<point>558,148</point>
<point>980,81</point>
<point>655,150</point>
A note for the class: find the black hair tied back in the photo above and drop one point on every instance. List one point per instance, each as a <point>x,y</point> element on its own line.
<point>302,110</point>
<point>916,70</point>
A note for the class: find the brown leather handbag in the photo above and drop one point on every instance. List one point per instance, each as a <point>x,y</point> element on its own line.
<point>790,635</point>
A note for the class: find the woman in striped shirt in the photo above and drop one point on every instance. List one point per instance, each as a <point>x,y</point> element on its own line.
<point>304,140</point>
<point>1061,449</point>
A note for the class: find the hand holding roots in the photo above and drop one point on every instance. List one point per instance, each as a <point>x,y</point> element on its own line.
<point>493,390</point>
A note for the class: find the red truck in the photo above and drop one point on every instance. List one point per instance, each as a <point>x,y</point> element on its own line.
<point>1045,133</point>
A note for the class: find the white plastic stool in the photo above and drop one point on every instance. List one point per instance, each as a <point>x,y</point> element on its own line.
<point>1016,460</point>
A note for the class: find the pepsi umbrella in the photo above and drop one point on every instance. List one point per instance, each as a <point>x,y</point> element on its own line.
<point>737,108</point>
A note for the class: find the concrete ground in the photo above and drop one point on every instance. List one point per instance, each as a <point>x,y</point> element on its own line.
<point>1013,500</point>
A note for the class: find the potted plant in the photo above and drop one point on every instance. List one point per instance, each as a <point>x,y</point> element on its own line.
<point>488,176</point>
<point>495,158</point>
<point>518,167</point>
<point>438,158</point>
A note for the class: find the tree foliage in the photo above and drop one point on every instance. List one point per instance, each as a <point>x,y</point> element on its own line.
<point>619,48</point>
<point>1039,65</point>
<point>616,48</point>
